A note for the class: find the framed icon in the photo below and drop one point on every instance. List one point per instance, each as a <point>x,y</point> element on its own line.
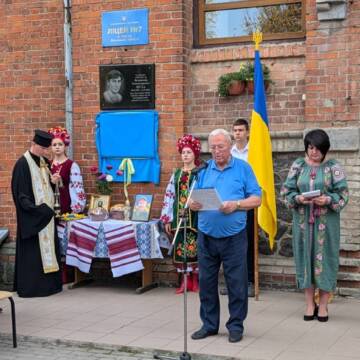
<point>100,201</point>
<point>142,207</point>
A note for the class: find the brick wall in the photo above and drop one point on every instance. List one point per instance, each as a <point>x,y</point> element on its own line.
<point>168,45</point>
<point>324,66</point>
<point>166,50</point>
<point>284,99</point>
<point>332,69</point>
<point>31,83</point>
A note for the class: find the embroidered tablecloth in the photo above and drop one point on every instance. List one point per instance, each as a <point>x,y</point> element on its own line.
<point>147,237</point>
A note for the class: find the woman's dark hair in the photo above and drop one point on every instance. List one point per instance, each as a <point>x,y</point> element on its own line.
<point>318,138</point>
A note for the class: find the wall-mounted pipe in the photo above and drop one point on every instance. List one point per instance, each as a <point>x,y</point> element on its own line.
<point>68,73</point>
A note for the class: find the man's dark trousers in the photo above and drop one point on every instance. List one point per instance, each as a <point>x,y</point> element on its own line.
<point>232,252</point>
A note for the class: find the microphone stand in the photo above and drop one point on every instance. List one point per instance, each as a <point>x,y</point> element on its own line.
<point>183,219</point>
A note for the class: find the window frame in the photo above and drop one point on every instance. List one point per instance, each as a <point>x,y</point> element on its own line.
<point>201,8</point>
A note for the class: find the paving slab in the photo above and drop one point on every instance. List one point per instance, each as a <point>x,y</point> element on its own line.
<point>102,317</point>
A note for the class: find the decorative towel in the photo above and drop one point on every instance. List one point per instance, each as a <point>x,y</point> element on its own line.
<point>123,252</point>
<point>128,241</point>
<point>61,230</point>
<point>80,250</point>
<point>147,238</point>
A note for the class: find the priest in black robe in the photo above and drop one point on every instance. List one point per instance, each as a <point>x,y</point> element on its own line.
<point>34,277</point>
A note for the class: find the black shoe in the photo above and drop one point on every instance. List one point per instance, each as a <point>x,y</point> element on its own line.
<point>223,291</point>
<point>202,334</point>
<point>235,336</point>
<point>323,318</point>
<point>313,316</point>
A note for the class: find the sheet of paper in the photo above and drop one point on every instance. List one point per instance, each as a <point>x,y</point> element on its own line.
<point>311,194</point>
<point>208,198</point>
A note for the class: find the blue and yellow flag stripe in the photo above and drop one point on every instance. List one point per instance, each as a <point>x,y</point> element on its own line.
<point>260,155</point>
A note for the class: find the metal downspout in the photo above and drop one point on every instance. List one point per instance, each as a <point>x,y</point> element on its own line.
<point>68,74</point>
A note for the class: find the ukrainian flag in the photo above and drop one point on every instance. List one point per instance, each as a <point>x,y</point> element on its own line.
<point>260,155</point>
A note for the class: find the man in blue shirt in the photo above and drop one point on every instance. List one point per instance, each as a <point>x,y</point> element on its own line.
<point>240,150</point>
<point>222,237</point>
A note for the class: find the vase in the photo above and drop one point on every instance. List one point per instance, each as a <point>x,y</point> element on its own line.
<point>251,87</point>
<point>236,87</point>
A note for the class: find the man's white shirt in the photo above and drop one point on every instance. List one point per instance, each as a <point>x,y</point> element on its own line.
<point>240,154</point>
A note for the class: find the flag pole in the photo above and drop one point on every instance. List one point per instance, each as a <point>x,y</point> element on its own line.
<point>256,254</point>
<point>260,140</point>
<point>257,38</point>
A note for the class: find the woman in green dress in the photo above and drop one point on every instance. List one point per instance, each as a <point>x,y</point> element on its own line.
<point>316,220</point>
<point>175,198</point>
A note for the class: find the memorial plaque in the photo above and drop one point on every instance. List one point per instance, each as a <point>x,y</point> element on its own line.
<point>124,87</point>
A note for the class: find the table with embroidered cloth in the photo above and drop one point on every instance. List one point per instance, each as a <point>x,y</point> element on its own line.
<point>129,245</point>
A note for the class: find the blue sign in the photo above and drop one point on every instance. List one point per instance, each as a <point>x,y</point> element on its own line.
<point>125,27</point>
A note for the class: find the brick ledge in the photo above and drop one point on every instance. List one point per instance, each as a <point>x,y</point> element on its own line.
<point>246,52</point>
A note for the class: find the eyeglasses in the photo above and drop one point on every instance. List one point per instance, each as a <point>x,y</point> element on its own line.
<point>218,147</point>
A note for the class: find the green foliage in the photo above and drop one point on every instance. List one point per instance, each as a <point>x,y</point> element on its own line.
<point>249,69</point>
<point>245,73</point>
<point>103,180</point>
<point>103,187</point>
<point>224,81</point>
<point>280,18</point>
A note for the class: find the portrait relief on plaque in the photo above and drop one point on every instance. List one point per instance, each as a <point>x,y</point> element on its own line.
<point>125,87</point>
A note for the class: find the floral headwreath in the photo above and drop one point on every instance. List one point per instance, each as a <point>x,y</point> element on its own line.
<point>61,133</point>
<point>191,142</point>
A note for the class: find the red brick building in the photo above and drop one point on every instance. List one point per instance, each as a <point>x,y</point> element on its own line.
<point>315,70</point>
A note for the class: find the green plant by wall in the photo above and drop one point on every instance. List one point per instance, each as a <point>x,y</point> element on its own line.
<point>226,79</point>
<point>245,74</point>
<point>249,70</point>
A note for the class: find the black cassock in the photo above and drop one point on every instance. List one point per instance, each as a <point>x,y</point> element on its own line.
<point>30,279</point>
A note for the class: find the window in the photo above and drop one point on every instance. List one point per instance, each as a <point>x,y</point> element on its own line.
<point>226,21</point>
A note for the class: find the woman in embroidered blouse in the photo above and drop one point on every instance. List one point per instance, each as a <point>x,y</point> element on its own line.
<point>72,195</point>
<point>175,199</point>
<point>316,221</point>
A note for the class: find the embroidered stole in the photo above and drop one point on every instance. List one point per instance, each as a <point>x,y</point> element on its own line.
<point>43,193</point>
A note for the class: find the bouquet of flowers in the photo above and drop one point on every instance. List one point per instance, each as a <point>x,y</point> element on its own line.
<point>103,180</point>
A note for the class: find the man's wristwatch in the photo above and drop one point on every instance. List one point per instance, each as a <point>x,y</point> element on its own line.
<point>238,206</point>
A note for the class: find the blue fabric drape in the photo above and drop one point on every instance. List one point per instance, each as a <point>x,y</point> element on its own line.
<point>129,134</point>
